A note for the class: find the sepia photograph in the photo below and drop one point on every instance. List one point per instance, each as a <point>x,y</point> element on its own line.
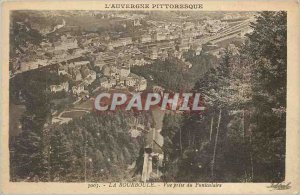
<point>61,60</point>
<point>166,97</point>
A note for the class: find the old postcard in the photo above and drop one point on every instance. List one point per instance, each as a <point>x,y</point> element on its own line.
<point>156,97</point>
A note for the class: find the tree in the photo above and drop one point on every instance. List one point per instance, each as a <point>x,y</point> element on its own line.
<point>60,155</point>
<point>21,34</point>
<point>30,151</point>
<point>31,144</point>
<point>242,134</point>
<point>268,49</point>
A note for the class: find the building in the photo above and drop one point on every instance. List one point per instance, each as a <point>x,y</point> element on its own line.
<point>84,71</point>
<point>112,82</point>
<point>159,36</point>
<point>90,78</point>
<point>146,38</point>
<point>166,46</point>
<point>76,75</point>
<point>130,81</point>
<point>153,53</point>
<point>106,70</point>
<point>62,70</point>
<point>121,82</point>
<point>76,90</point>
<point>188,65</point>
<point>183,47</point>
<point>104,82</point>
<point>65,44</point>
<point>177,54</point>
<point>108,82</point>
<point>138,82</point>
<point>62,87</point>
<point>138,61</point>
<point>87,81</point>
<point>93,74</point>
<point>124,71</point>
<point>126,41</point>
<point>142,84</point>
<point>80,63</point>
<point>120,42</point>
<point>214,26</point>
<point>136,22</point>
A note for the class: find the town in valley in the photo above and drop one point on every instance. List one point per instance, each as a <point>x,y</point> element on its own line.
<point>61,60</point>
